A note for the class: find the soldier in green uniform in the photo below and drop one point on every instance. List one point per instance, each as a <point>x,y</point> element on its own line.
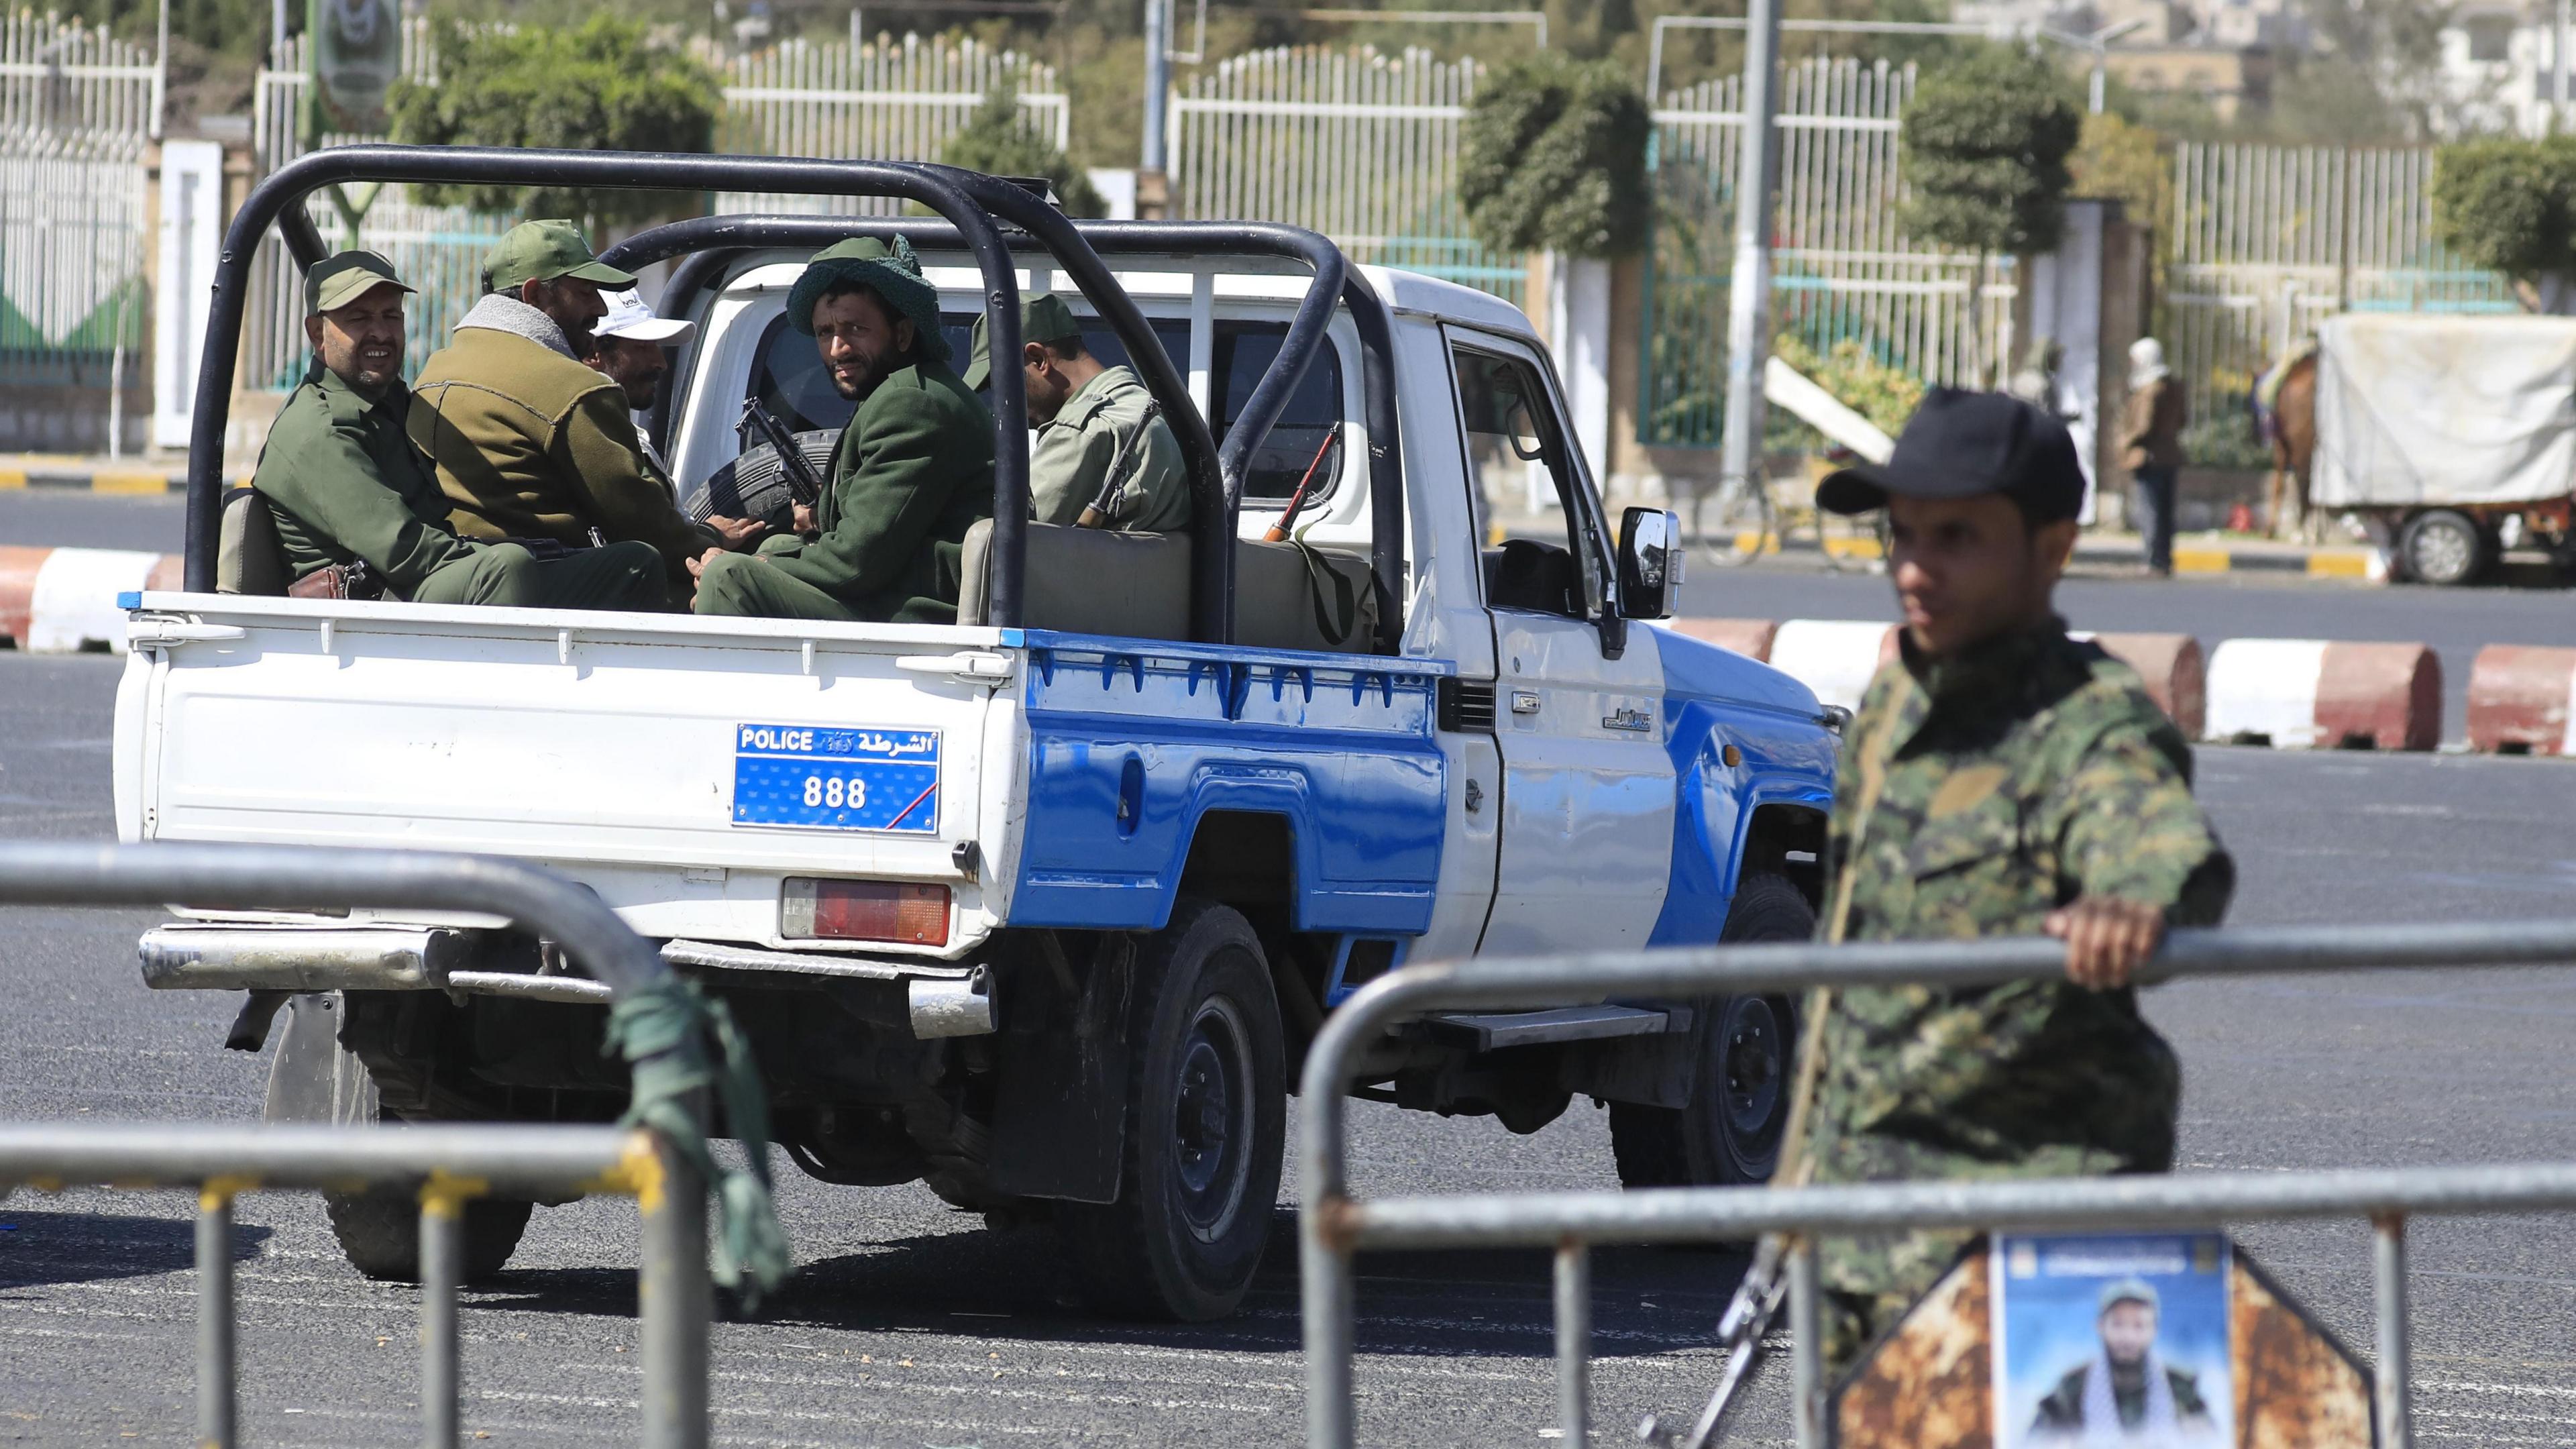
<point>911,473</point>
<point>1999,779</point>
<point>529,441</point>
<point>2128,1390</point>
<point>1083,413</point>
<point>345,484</point>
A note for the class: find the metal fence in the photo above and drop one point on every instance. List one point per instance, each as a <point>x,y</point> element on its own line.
<point>2269,241</point>
<point>437,249</point>
<point>1357,144</point>
<point>77,108</point>
<point>446,1164</point>
<point>893,100</point>
<point>1843,267</point>
<point>1333,1225</point>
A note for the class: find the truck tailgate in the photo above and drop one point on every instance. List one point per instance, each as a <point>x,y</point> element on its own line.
<point>680,766</point>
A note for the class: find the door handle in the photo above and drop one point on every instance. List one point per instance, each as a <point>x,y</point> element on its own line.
<point>1524,701</point>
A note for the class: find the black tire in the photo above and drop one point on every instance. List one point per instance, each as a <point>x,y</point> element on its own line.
<point>315,1079</point>
<point>2445,548</point>
<point>1206,1127</point>
<point>379,1232</point>
<point>754,486</point>
<point>1741,1048</point>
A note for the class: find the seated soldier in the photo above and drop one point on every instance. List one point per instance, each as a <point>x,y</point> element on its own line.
<point>1086,416</point>
<point>345,484</point>
<point>630,345</point>
<point>529,442</point>
<point>911,473</point>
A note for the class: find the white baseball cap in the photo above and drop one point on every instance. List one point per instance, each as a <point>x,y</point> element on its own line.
<point>629,318</point>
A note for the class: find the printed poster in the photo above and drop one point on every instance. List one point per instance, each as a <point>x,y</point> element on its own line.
<point>2112,1341</point>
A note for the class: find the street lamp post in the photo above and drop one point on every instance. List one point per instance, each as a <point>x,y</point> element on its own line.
<point>2098,44</point>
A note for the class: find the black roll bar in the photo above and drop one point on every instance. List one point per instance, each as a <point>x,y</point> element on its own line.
<point>1305,340</point>
<point>283,192</point>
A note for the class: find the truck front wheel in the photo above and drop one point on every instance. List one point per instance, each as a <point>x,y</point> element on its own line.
<point>1728,1134</point>
<point>1206,1126</point>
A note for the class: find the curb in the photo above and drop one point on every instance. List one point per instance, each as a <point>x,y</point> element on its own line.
<point>2522,701</point>
<point>2288,694</point>
<point>80,475</point>
<point>2367,564</point>
<point>64,600</point>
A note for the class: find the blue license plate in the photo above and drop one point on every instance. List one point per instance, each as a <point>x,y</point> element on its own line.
<point>824,778</point>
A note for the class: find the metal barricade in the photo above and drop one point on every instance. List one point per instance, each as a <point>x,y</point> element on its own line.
<point>1332,1225</point>
<point>448,1164</point>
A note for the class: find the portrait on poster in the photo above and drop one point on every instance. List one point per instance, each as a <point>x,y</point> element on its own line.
<point>2112,1341</point>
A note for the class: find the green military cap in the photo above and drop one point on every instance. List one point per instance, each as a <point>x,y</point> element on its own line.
<point>1043,318</point>
<point>893,273</point>
<point>540,251</point>
<point>2131,1290</point>
<point>338,280</point>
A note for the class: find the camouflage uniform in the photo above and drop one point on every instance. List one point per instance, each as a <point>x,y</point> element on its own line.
<point>2027,772</point>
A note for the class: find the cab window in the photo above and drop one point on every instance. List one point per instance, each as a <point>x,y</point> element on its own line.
<point>1518,464</point>
<point>790,381</point>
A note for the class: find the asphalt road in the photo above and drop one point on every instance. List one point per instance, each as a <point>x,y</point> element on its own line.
<point>909,1325</point>
<point>2454,623</point>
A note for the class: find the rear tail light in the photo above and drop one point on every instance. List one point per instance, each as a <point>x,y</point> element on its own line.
<point>864,910</point>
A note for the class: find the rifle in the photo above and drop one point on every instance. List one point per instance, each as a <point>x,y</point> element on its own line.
<point>1748,1318</point>
<point>802,483</point>
<point>1095,514</point>
<point>1278,532</point>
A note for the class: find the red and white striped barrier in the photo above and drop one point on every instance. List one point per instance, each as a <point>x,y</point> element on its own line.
<point>2290,693</point>
<point>2522,700</point>
<point>2297,694</point>
<point>63,600</point>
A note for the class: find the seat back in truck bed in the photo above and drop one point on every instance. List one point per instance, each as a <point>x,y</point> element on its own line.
<point>1137,586</point>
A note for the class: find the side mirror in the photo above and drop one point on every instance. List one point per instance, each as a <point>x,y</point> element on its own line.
<point>1650,563</point>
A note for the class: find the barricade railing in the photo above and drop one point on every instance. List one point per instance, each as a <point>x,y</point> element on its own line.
<point>1332,1225</point>
<point>448,1165</point>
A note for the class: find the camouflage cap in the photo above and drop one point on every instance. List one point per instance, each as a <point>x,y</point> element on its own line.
<point>2130,1290</point>
<point>338,280</point>
<point>1043,318</point>
<point>541,251</point>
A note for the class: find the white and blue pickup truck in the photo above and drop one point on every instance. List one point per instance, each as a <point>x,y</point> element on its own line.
<point>1041,908</point>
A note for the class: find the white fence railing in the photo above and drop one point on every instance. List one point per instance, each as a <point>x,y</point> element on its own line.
<point>1843,267</point>
<point>898,100</point>
<point>2269,241</point>
<point>1359,145</point>
<point>894,100</point>
<point>77,109</point>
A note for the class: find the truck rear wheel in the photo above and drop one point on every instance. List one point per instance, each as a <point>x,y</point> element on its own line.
<point>1206,1126</point>
<point>1741,1048</point>
<point>315,1079</point>
<point>2445,548</point>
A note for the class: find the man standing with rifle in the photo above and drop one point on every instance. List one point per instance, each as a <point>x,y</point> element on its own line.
<point>1999,779</point>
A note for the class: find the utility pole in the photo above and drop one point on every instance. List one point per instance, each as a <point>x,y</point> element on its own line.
<point>2558,69</point>
<point>1153,190</point>
<point>1748,290</point>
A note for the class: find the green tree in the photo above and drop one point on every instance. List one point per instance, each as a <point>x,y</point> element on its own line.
<point>2510,206</point>
<point>1554,156</point>
<point>1001,141</point>
<point>1984,147</point>
<point>603,85</point>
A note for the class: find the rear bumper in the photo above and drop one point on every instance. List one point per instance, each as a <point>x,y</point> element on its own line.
<point>944,1000</point>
